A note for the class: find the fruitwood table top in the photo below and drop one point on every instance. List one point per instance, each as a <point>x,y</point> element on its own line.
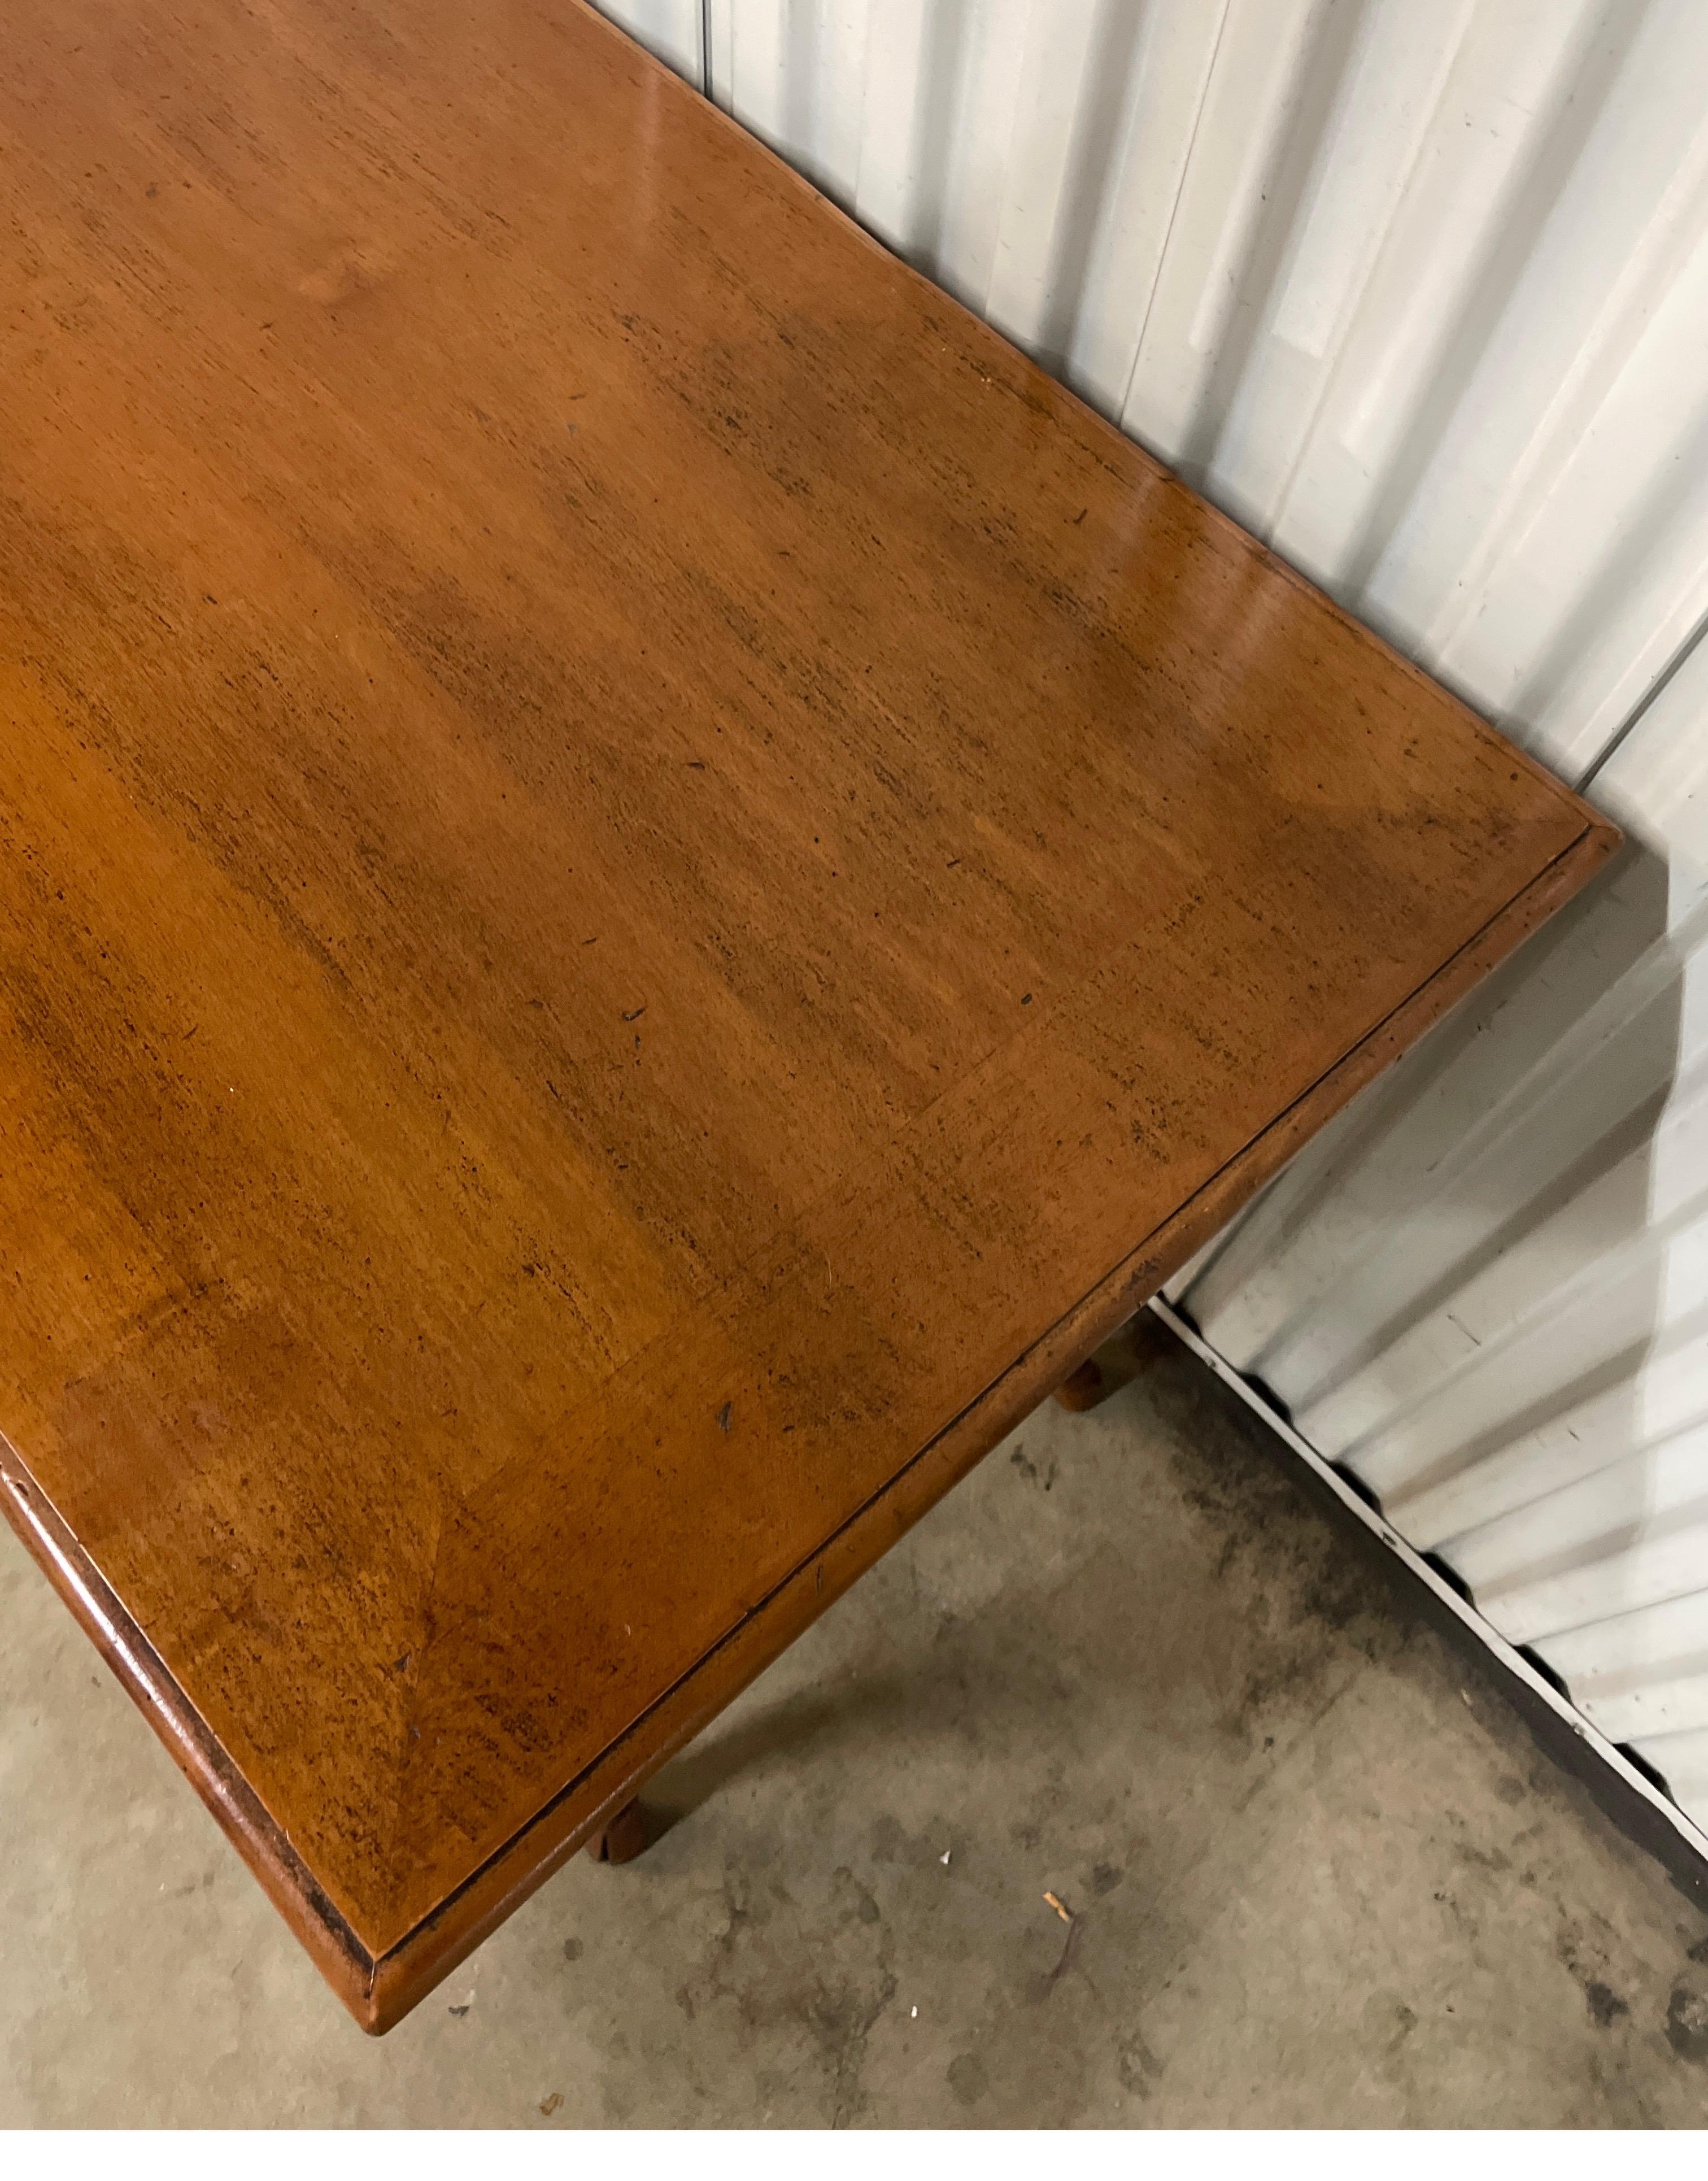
<point>644,881</point>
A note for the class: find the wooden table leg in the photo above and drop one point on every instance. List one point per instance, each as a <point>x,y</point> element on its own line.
<point>1116,1362</point>
<point>1082,1389</point>
<point>623,1837</point>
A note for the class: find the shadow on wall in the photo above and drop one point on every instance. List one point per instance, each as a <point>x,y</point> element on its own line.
<point>1093,162</point>
<point>1480,1293</point>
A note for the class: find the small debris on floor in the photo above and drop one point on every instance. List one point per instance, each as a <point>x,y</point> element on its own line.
<point>916,2014</point>
<point>946,1855</point>
<point>550,2106</point>
<point>1072,1941</point>
<point>459,2011</point>
<point>1066,1913</point>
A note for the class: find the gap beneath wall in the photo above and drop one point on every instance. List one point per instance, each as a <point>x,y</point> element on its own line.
<point>1641,1808</point>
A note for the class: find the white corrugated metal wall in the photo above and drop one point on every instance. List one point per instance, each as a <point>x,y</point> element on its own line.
<point>1419,290</point>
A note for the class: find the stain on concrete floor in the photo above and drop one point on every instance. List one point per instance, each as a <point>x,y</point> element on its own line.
<point>1317,1873</point>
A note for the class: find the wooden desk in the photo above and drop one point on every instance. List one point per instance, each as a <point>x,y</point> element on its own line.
<point>645,883</point>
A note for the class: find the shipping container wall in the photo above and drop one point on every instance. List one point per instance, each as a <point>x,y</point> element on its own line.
<point>1419,293</point>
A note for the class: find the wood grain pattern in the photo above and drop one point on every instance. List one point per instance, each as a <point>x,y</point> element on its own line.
<point>644,882</point>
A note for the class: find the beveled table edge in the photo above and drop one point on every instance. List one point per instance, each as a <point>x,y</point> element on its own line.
<point>379,1990</point>
<point>287,1880</point>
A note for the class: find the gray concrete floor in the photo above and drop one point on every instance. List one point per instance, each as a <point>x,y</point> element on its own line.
<point>1319,1872</point>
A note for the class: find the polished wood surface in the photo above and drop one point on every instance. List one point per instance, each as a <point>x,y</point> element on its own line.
<point>645,883</point>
